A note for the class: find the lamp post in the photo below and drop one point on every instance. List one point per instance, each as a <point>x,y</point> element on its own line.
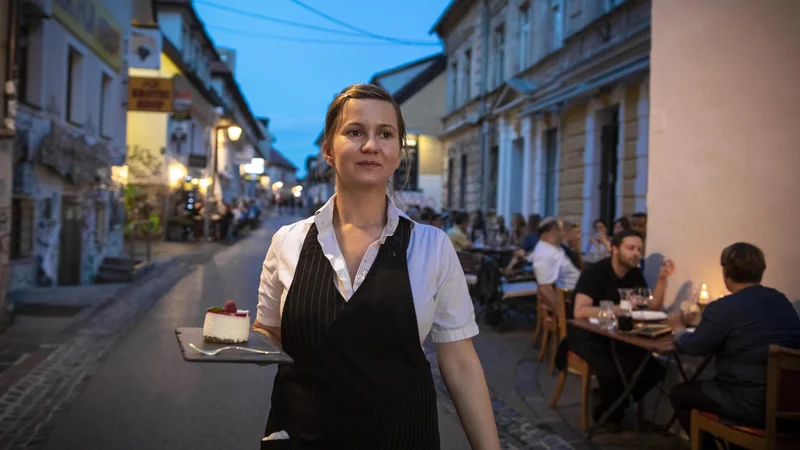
<point>234,132</point>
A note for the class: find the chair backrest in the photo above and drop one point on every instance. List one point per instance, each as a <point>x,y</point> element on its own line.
<point>470,262</point>
<point>783,388</point>
<point>565,299</point>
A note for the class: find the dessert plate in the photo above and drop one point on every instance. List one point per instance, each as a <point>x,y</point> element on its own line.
<point>256,341</point>
<point>649,315</point>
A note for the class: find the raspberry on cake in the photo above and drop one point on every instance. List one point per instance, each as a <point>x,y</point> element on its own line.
<point>226,325</point>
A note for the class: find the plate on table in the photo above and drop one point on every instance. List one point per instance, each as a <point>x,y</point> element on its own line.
<point>649,315</point>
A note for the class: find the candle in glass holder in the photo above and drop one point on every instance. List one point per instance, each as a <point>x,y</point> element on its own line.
<point>704,294</point>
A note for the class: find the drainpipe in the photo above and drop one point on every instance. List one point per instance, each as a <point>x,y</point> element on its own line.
<point>11,47</point>
<point>484,108</point>
<point>7,172</point>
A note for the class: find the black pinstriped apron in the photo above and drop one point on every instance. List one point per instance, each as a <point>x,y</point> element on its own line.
<point>360,378</point>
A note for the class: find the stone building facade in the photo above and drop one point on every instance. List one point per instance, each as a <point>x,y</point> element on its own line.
<point>71,72</point>
<point>555,121</point>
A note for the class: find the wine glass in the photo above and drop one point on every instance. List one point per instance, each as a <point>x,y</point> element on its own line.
<point>625,294</point>
<point>641,298</point>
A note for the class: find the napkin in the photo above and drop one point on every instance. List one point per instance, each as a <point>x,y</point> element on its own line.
<point>278,435</point>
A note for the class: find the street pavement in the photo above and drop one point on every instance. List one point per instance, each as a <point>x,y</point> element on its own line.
<point>121,383</point>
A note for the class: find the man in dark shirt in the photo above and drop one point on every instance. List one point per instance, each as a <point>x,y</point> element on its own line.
<point>738,330</point>
<point>572,243</point>
<point>601,281</point>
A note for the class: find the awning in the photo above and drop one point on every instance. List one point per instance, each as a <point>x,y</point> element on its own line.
<point>604,79</point>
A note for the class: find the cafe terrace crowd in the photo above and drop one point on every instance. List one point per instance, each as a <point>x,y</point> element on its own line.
<point>737,329</point>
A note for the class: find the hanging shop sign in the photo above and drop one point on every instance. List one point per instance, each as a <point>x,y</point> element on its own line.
<point>94,25</point>
<point>150,94</point>
<point>144,48</point>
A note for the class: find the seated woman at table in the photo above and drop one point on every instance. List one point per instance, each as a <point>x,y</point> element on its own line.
<point>738,330</point>
<point>518,230</point>
<point>601,281</point>
<point>599,244</point>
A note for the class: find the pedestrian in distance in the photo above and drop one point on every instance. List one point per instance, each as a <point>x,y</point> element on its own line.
<point>352,293</point>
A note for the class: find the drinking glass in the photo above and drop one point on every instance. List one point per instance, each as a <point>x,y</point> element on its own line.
<point>606,319</point>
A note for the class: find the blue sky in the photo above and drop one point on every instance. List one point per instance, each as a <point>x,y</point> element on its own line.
<point>291,82</point>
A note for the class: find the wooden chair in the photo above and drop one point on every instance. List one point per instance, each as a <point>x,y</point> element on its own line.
<point>547,322</point>
<point>783,402</point>
<point>574,362</point>
<point>471,264</point>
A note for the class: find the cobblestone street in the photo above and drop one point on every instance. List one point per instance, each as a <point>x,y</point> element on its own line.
<point>122,373</point>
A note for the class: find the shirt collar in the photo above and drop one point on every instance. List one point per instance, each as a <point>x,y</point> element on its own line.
<point>323,218</point>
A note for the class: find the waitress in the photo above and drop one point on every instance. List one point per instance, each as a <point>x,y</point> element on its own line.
<point>352,292</point>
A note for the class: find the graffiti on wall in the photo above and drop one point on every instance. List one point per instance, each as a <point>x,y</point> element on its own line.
<point>88,243</point>
<point>48,230</point>
<point>145,165</point>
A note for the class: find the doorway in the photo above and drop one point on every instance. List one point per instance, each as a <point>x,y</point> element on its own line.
<point>515,183</point>
<point>69,255</point>
<point>609,141</point>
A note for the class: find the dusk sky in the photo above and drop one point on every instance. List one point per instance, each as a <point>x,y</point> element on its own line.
<point>293,82</point>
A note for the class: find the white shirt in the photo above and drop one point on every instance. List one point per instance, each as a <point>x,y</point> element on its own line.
<point>551,265</point>
<point>441,297</point>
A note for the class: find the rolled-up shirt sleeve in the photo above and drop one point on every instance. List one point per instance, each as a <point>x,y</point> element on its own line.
<point>270,289</point>
<point>454,318</point>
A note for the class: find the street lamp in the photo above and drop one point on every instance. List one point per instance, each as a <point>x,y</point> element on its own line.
<point>234,132</point>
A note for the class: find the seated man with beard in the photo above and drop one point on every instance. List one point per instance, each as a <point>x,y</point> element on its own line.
<point>601,281</point>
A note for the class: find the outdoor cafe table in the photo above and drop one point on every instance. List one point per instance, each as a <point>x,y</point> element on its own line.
<point>502,254</point>
<point>662,345</point>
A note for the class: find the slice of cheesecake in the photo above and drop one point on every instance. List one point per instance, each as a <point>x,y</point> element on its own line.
<point>227,325</point>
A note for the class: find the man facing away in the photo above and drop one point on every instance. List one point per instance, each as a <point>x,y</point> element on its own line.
<point>738,330</point>
<point>601,281</point>
<point>551,265</point>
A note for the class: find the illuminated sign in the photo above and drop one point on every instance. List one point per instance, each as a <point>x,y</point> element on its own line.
<point>150,94</point>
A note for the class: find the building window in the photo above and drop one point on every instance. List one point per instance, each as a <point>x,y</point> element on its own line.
<point>494,163</point>
<point>500,55</point>
<point>453,85</point>
<point>47,209</point>
<point>105,96</point>
<point>74,78</point>
<point>524,35</point>
<point>463,183</point>
<point>467,75</point>
<point>22,69</point>
<point>21,228</point>
<point>450,173</point>
<point>551,168</point>
<point>557,13</point>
